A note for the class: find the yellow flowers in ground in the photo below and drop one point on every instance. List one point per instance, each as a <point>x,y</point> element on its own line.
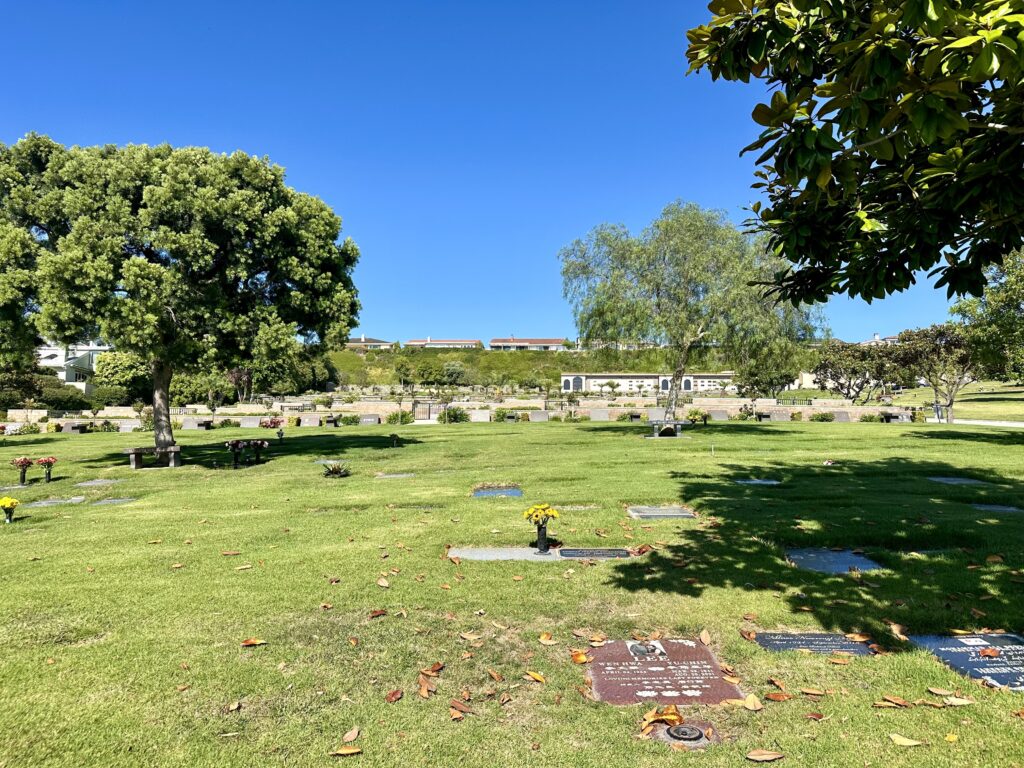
<point>539,514</point>
<point>8,503</point>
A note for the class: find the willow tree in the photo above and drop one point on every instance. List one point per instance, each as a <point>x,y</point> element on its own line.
<point>683,283</point>
<point>180,256</point>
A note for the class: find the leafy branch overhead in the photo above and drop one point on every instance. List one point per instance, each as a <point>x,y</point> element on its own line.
<point>893,141</point>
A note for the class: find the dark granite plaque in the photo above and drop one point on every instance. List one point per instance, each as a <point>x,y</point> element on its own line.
<point>586,554</point>
<point>815,642</point>
<point>998,660</point>
<point>830,561</point>
<point>661,513</point>
<point>659,672</point>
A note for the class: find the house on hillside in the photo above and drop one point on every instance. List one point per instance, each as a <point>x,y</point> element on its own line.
<point>364,343</point>
<point>74,364</point>
<point>429,343</point>
<point>649,384</point>
<point>512,344</point>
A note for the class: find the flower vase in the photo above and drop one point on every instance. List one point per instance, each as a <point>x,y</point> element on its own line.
<point>22,471</point>
<point>256,454</point>
<point>48,472</point>
<point>234,459</point>
<point>9,515</point>
<point>542,538</point>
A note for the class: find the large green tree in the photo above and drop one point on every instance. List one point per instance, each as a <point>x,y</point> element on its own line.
<point>995,321</point>
<point>684,282</point>
<point>892,141</point>
<point>944,357</point>
<point>179,256</point>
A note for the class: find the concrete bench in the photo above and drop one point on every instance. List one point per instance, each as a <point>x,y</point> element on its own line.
<point>669,427</point>
<point>135,455</point>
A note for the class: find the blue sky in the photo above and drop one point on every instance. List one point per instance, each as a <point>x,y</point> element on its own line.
<point>463,142</point>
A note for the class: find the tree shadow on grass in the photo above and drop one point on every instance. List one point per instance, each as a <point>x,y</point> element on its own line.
<point>997,436</point>
<point>13,441</point>
<point>215,455</point>
<point>935,548</point>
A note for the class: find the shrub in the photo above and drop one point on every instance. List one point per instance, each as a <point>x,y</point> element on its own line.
<point>869,417</point>
<point>697,414</point>
<point>741,416</point>
<point>823,417</point>
<point>453,415</point>
<point>919,417</point>
<point>64,398</point>
<point>349,420</point>
<point>146,417</point>
<point>293,421</point>
<point>337,469</point>
<point>108,426</point>
<point>554,417</point>
<point>274,422</point>
<point>53,426</point>
<point>796,416</point>
<point>176,424</point>
<point>28,429</point>
<point>325,400</point>
<point>400,417</point>
<point>228,423</point>
<point>627,416</point>
<point>500,414</point>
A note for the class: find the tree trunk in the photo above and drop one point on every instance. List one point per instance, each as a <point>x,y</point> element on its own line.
<point>949,412</point>
<point>676,387</point>
<point>162,432</point>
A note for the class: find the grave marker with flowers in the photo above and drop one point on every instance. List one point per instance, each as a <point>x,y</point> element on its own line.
<point>47,462</point>
<point>539,515</point>
<point>8,505</point>
<point>22,463</point>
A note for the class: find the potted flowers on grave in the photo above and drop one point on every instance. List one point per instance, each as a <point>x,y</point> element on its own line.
<point>236,447</point>
<point>257,447</point>
<point>22,463</point>
<point>539,515</point>
<point>8,505</point>
<point>47,462</point>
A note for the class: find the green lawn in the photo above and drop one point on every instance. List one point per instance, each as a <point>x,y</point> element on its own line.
<point>111,656</point>
<point>983,400</point>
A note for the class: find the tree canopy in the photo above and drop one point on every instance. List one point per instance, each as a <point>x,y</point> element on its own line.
<point>682,282</point>
<point>995,322</point>
<point>179,256</point>
<point>944,357</point>
<point>892,140</point>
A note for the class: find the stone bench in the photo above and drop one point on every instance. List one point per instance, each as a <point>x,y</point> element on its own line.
<point>135,455</point>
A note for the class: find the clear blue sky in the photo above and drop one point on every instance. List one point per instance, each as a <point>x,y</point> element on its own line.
<point>462,141</point>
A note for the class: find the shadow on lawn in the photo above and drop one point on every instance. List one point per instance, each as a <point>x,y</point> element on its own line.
<point>932,544</point>
<point>215,455</point>
<point>1003,437</point>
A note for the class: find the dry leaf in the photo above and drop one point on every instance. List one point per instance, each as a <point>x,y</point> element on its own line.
<point>753,703</point>
<point>778,696</point>
<point>940,692</point>
<point>705,637</point>
<point>351,736</point>
<point>345,751</point>
<point>989,653</point>
<point>580,657</point>
<point>764,756</point>
<point>956,701</point>
<point>811,692</point>
<point>903,741</point>
<point>383,583</point>
<point>815,716</point>
<point>394,696</point>
<point>252,642</point>
<point>951,737</point>
<point>377,614</point>
<point>495,676</point>
<point>536,676</point>
<point>458,706</point>
<point>547,639</point>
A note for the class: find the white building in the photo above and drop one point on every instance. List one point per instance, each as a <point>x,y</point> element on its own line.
<point>74,363</point>
<point>429,343</point>
<point>512,344</point>
<point>649,384</point>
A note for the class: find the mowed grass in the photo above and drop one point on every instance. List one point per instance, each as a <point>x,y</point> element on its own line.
<point>993,400</point>
<point>110,656</point>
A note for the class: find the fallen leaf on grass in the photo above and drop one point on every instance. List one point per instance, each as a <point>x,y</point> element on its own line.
<point>245,567</point>
<point>580,657</point>
<point>940,692</point>
<point>230,553</point>
<point>778,696</point>
<point>394,696</point>
<point>234,706</point>
<point>903,741</point>
<point>951,737</point>
<point>705,637</point>
<point>495,676</point>
<point>177,566</point>
<point>748,634</point>
<point>547,639</point>
<point>899,702</point>
<point>815,716</point>
<point>753,703</point>
<point>252,642</point>
<point>377,614</point>
<point>345,751</point>
<point>956,701</point>
<point>535,676</point>
<point>383,583</point>
<point>459,706</point>
<point>351,736</point>
<point>469,636</point>
<point>811,692</point>
<point>434,669</point>
<point>764,756</point>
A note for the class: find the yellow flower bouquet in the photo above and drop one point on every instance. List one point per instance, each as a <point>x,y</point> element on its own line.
<point>539,515</point>
<point>8,505</point>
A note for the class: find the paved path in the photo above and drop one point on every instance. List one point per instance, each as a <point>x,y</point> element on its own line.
<point>981,423</point>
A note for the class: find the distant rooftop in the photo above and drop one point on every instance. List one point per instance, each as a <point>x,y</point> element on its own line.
<point>513,340</point>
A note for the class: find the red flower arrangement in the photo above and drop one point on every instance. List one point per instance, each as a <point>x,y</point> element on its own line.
<point>47,461</point>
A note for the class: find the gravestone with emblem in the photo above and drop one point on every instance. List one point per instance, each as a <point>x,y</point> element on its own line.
<point>659,672</point>
<point>997,660</point>
<point>593,554</point>
<point>815,642</point>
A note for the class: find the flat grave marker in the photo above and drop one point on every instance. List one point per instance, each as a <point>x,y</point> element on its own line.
<point>673,511</point>
<point>395,475</point>
<point>997,660</point>
<point>755,481</point>
<point>325,462</point>
<point>95,483</point>
<point>600,553</point>
<point>830,561</point>
<point>481,493</point>
<point>815,642</point>
<point>995,508</point>
<point>957,481</point>
<point>529,554</point>
<point>659,672</point>
<point>54,502</point>
<point>112,502</point>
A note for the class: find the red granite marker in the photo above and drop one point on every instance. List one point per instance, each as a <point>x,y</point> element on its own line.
<point>659,672</point>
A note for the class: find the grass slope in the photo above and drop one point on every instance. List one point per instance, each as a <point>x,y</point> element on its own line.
<point>993,400</point>
<point>113,657</point>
